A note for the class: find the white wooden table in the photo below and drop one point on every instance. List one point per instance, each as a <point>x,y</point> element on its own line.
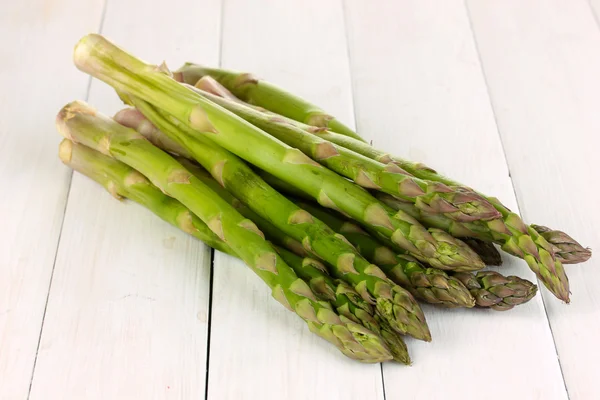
<point>102,300</point>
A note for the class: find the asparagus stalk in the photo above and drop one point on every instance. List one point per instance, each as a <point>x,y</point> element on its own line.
<point>100,58</point>
<point>264,94</point>
<point>347,301</point>
<point>566,249</point>
<point>457,203</point>
<point>122,181</point>
<point>393,303</point>
<point>492,290</point>
<point>428,284</point>
<point>82,124</point>
<point>485,250</point>
<point>133,118</point>
<point>521,241</point>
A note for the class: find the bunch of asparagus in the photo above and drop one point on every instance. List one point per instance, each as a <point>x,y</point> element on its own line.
<point>348,237</point>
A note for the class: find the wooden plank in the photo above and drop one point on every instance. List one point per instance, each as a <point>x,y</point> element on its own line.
<point>36,78</point>
<point>419,92</point>
<point>303,49</point>
<point>268,351</point>
<point>595,4</point>
<point>127,315</point>
<point>541,62</point>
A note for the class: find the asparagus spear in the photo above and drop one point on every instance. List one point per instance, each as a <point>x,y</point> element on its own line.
<point>566,249</point>
<point>457,203</point>
<point>526,242</point>
<point>492,290</point>
<point>521,241</point>
<point>82,124</point>
<point>485,250</point>
<point>100,58</point>
<point>393,303</point>
<point>428,284</point>
<point>133,118</point>
<point>122,181</point>
<point>346,301</point>
<point>264,94</point>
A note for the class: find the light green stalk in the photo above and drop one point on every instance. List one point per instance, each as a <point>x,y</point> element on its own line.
<point>203,118</point>
<point>393,303</point>
<point>122,181</point>
<point>428,284</point>
<point>456,203</point>
<point>82,124</point>
<point>518,239</point>
<point>344,298</point>
<point>264,94</point>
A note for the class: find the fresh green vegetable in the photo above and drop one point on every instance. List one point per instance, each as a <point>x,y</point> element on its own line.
<point>392,302</point>
<point>513,235</point>
<point>266,95</point>
<point>102,59</point>
<point>566,249</point>
<point>428,284</point>
<point>492,290</point>
<point>82,124</point>
<point>457,203</point>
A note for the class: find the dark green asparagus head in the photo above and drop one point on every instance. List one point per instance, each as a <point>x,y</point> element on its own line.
<point>455,202</point>
<point>493,290</point>
<point>566,249</point>
<point>398,307</point>
<point>429,284</point>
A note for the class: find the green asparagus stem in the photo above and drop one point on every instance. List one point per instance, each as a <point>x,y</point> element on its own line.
<point>122,181</point>
<point>492,290</point>
<point>566,249</point>
<point>519,240</point>
<point>393,303</point>
<point>133,118</point>
<point>347,301</point>
<point>82,124</point>
<point>264,94</point>
<point>428,284</point>
<point>127,74</point>
<point>456,203</point>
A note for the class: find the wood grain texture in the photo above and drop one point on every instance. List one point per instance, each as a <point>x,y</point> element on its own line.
<point>127,316</point>
<point>259,350</point>
<point>541,62</point>
<point>420,93</point>
<point>36,78</point>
